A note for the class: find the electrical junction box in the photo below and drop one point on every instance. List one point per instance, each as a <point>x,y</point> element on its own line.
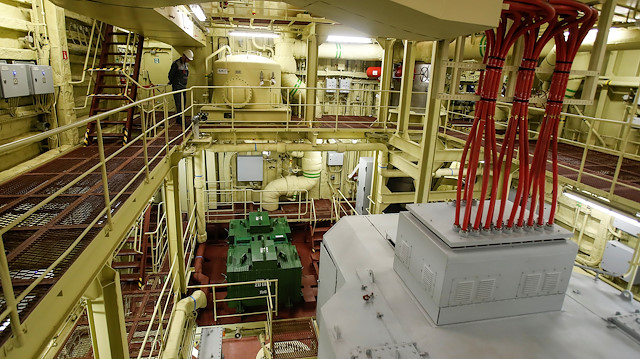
<point>345,85</point>
<point>332,84</point>
<point>616,258</point>
<point>40,79</point>
<point>13,80</point>
<point>249,168</point>
<point>485,275</point>
<point>335,158</point>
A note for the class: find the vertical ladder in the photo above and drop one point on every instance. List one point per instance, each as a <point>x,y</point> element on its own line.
<point>116,83</point>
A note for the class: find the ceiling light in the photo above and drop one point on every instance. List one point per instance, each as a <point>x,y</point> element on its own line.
<point>254,34</point>
<point>197,11</point>
<point>601,208</point>
<point>349,39</point>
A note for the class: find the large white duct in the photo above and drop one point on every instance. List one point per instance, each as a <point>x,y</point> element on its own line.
<point>581,62</point>
<point>289,185</point>
<point>182,311</point>
<point>331,50</point>
<point>284,56</point>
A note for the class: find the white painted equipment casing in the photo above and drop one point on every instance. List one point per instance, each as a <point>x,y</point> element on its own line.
<point>243,72</point>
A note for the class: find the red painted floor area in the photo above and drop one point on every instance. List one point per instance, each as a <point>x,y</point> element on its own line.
<point>243,348</point>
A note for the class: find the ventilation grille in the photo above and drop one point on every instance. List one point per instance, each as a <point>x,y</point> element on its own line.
<point>428,279</point>
<point>463,292</point>
<point>550,283</point>
<point>530,284</point>
<point>485,289</point>
<point>404,252</point>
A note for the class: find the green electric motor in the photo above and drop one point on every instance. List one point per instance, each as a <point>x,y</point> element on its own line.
<point>260,248</point>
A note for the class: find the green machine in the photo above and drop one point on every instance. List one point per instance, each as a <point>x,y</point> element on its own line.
<point>260,248</point>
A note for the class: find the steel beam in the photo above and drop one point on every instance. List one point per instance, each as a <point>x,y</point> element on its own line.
<point>599,48</point>
<point>106,316</point>
<point>312,75</point>
<point>404,165</point>
<point>385,80</point>
<point>175,223</point>
<point>406,87</point>
<point>432,122</point>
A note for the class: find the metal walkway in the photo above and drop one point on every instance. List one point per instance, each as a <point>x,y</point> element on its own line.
<point>598,170</point>
<point>41,239</point>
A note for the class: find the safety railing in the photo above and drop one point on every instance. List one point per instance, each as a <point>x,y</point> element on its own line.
<point>341,110</point>
<point>340,205</point>
<point>158,239</point>
<point>271,297</point>
<point>589,168</point>
<point>156,332</point>
<point>237,203</point>
<point>10,315</point>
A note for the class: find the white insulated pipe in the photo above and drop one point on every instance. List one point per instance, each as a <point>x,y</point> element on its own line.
<point>284,56</point>
<point>289,185</point>
<point>581,62</point>
<point>181,313</point>
<point>206,60</point>
<point>199,184</point>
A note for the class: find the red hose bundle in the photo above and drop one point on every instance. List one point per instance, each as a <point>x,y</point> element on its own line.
<point>579,19</point>
<point>519,17</point>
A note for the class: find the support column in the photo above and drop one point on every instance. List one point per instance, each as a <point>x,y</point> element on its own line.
<point>385,81</point>
<point>406,87</point>
<point>61,68</point>
<point>432,121</point>
<point>312,75</point>
<point>599,48</point>
<point>174,225</point>
<point>200,202</point>
<point>106,316</point>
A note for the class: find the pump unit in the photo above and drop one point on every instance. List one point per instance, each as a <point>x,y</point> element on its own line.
<point>260,248</point>
<point>247,88</point>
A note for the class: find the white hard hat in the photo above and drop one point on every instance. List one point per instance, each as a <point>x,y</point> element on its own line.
<point>188,54</point>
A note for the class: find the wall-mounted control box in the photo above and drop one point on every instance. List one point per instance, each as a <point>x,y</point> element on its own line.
<point>13,80</point>
<point>40,79</point>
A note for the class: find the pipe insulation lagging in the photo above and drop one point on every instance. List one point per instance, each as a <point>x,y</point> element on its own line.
<point>290,185</point>
<point>182,311</point>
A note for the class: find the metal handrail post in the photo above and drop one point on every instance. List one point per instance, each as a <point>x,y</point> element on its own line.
<point>166,125</point>
<point>143,122</point>
<point>103,170</point>
<point>584,154</point>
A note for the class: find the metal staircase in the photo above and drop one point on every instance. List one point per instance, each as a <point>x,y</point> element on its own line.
<point>116,83</point>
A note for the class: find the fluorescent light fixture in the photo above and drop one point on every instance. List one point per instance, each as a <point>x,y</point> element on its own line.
<point>349,39</point>
<point>197,11</point>
<point>270,35</point>
<point>603,209</point>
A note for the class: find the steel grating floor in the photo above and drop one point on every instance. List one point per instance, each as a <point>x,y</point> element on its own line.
<point>35,243</point>
<point>294,338</point>
<point>596,164</point>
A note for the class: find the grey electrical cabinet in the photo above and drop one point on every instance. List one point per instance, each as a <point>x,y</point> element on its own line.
<point>13,80</point>
<point>491,274</point>
<point>40,79</point>
<point>249,168</point>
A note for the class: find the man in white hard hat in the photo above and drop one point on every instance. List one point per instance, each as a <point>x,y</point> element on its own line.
<point>178,75</point>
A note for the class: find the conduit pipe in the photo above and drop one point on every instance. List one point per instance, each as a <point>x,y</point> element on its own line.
<point>263,47</point>
<point>206,60</point>
<point>289,185</point>
<point>183,310</point>
<point>549,63</point>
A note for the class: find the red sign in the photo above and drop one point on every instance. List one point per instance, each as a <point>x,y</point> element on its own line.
<point>65,55</point>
